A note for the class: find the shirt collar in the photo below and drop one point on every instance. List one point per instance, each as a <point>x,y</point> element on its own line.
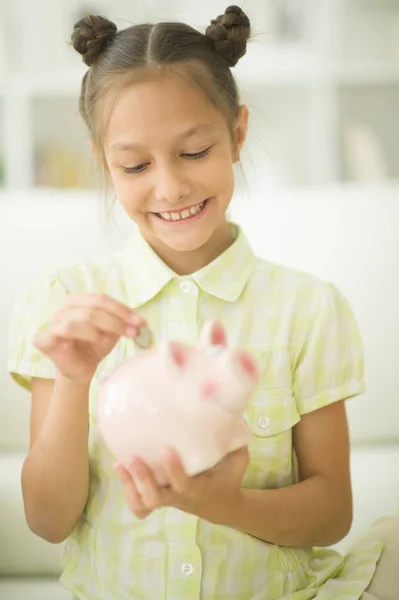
<point>146,274</point>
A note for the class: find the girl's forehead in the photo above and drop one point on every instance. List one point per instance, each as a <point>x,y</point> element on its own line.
<point>164,94</point>
<point>161,107</point>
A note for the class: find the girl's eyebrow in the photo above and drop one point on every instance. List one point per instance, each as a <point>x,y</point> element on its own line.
<point>126,146</point>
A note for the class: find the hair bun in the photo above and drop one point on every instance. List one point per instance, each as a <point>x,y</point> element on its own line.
<point>230,33</point>
<point>91,36</point>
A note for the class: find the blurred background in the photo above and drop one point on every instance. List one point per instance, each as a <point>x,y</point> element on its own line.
<point>318,190</point>
<point>321,78</point>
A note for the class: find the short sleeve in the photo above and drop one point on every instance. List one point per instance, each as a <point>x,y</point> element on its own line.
<point>33,312</point>
<point>330,364</point>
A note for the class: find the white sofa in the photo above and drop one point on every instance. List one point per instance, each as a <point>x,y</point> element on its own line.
<point>348,235</point>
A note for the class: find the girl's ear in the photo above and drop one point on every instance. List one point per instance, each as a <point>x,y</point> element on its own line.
<point>240,132</point>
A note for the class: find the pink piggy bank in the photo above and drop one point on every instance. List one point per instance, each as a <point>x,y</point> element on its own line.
<point>189,397</point>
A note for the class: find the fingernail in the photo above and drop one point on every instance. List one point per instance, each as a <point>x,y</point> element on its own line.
<point>131,331</point>
<point>135,464</point>
<point>170,453</point>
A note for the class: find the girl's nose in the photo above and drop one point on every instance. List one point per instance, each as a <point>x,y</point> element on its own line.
<point>171,185</point>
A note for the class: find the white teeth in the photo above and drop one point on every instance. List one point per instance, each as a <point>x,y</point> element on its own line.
<point>187,212</point>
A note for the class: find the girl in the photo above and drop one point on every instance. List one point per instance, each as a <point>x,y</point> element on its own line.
<point>165,121</point>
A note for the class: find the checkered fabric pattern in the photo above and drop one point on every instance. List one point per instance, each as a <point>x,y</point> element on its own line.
<point>305,338</point>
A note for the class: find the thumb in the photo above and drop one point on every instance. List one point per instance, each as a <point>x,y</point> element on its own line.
<point>43,341</point>
<point>240,456</point>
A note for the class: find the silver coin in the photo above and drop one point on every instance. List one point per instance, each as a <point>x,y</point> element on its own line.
<point>144,340</point>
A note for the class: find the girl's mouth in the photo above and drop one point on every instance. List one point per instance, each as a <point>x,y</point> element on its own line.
<point>184,216</point>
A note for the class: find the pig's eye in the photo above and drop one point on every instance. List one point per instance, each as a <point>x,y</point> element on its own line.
<point>208,389</point>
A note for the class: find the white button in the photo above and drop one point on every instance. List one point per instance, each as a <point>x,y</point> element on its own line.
<point>187,569</point>
<point>263,422</point>
<point>187,286</point>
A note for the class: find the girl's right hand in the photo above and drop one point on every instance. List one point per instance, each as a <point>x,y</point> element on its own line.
<point>84,331</point>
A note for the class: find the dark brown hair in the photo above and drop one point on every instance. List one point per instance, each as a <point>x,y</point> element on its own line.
<point>117,58</point>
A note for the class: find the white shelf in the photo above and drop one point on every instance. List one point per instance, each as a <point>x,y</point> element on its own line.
<point>372,73</point>
<point>62,84</point>
<point>270,73</point>
<point>276,66</point>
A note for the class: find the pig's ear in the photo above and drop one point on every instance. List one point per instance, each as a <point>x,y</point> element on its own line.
<point>248,364</point>
<point>174,354</point>
<point>244,366</point>
<point>212,334</point>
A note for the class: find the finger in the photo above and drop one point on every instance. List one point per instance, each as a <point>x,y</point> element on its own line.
<point>48,342</point>
<point>69,331</point>
<point>236,459</point>
<point>175,472</point>
<point>146,484</point>
<point>239,458</point>
<point>126,321</point>
<point>44,341</point>
<point>106,303</point>
<point>100,319</point>
<point>133,497</point>
<point>239,453</point>
<point>236,455</point>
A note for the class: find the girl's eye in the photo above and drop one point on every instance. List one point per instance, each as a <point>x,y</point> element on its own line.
<point>138,169</point>
<point>143,166</point>
<point>198,155</point>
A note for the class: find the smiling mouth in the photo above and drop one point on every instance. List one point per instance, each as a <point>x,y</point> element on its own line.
<point>184,215</point>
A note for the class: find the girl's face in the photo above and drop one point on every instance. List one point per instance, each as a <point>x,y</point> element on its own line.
<point>170,157</point>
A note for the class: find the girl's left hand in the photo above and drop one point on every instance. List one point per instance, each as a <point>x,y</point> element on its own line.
<point>206,495</point>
